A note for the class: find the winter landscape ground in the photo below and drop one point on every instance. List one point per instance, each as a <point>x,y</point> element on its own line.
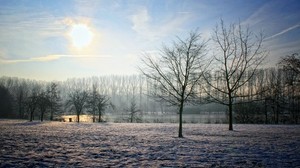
<point>59,144</point>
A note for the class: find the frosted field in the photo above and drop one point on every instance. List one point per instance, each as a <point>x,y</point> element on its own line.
<point>58,144</point>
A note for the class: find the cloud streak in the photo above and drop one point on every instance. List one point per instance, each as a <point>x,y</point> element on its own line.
<point>49,58</point>
<point>264,14</point>
<point>41,22</point>
<point>283,31</point>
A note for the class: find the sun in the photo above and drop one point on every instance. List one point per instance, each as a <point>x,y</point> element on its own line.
<point>81,35</point>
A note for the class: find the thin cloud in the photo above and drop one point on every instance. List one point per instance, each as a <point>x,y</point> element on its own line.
<point>284,31</point>
<point>140,21</point>
<point>35,22</point>
<point>263,13</point>
<point>257,17</point>
<point>49,58</point>
<point>143,25</point>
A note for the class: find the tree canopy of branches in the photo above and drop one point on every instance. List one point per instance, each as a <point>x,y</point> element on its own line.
<point>238,55</point>
<point>291,62</point>
<point>77,101</point>
<point>5,103</point>
<point>177,71</point>
<point>291,65</point>
<point>133,111</point>
<point>43,103</point>
<point>32,101</point>
<point>54,99</point>
<point>97,103</point>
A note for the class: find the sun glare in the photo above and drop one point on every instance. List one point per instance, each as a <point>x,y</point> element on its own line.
<point>81,35</point>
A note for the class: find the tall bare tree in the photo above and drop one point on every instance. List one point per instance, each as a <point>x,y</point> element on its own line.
<point>21,93</point>
<point>32,101</point>
<point>133,111</point>
<point>291,68</point>
<point>54,98</point>
<point>77,101</point>
<point>6,100</point>
<point>238,54</point>
<point>97,103</point>
<point>291,63</point>
<point>43,103</point>
<point>102,103</point>
<point>177,71</point>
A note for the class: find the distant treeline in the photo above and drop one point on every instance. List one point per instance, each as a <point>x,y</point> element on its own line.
<point>276,99</point>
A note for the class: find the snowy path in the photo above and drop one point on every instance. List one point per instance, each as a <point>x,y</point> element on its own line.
<point>55,144</point>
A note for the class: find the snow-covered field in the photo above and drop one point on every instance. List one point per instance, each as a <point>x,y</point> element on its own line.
<point>58,144</point>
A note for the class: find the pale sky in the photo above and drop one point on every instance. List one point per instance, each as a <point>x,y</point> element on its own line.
<point>60,39</point>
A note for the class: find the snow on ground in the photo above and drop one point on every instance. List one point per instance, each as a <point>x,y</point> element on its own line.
<point>58,144</point>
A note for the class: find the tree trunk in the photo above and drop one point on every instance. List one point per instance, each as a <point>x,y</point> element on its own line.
<point>131,117</point>
<point>31,116</point>
<point>180,120</point>
<point>100,115</point>
<point>230,117</point>
<point>78,118</point>
<point>277,114</point>
<point>51,114</point>
<point>266,113</point>
<point>297,111</point>
<point>230,113</point>
<point>42,116</point>
<point>274,115</point>
<point>20,105</point>
<point>21,113</point>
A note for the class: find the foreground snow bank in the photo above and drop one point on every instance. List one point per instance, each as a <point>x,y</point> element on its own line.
<point>55,144</point>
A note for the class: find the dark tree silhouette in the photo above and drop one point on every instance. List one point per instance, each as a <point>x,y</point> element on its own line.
<point>31,102</point>
<point>43,103</point>
<point>177,71</point>
<point>54,99</point>
<point>77,100</point>
<point>291,63</point>
<point>238,54</point>
<point>21,92</point>
<point>97,103</point>
<point>6,99</point>
<point>101,105</point>
<point>291,68</point>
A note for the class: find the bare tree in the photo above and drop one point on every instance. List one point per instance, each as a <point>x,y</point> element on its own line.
<point>43,103</point>
<point>291,69</point>
<point>54,99</point>
<point>177,71</point>
<point>97,103</point>
<point>20,97</point>
<point>278,97</point>
<point>291,63</point>
<point>133,111</point>
<point>238,55</point>
<point>32,102</point>
<point>92,102</point>
<point>21,93</point>
<point>6,105</point>
<point>77,101</point>
<point>102,103</point>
